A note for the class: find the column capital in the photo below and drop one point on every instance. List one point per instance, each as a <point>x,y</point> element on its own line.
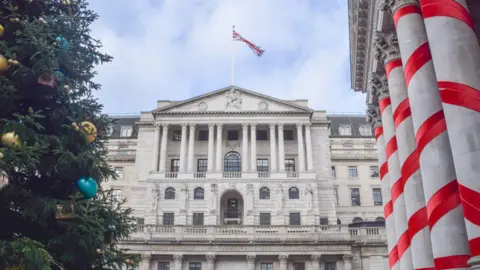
<point>211,125</point>
<point>299,125</point>
<point>157,125</point>
<point>308,125</point>
<point>272,126</point>
<point>347,257</point>
<point>373,114</point>
<point>315,257</point>
<point>253,125</point>
<point>177,257</point>
<point>192,125</point>
<point>283,257</point>
<point>165,125</point>
<point>184,125</point>
<point>146,257</point>
<point>250,258</point>
<point>280,126</point>
<point>220,125</point>
<point>210,258</point>
<point>385,46</point>
<point>392,6</point>
<point>379,85</point>
<point>244,125</point>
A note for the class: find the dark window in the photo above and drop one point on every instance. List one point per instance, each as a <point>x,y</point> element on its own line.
<point>195,266</point>
<point>203,135</point>
<point>352,172</point>
<point>290,165</point>
<point>288,135</point>
<point>334,172</point>
<point>293,193</point>
<point>202,165</point>
<point>374,172</point>
<point>177,135</point>
<point>262,135</point>
<point>323,221</point>
<point>197,219</point>
<point>335,196</point>
<point>262,165</point>
<point>140,221</point>
<point>232,162</point>
<point>264,193</point>
<point>174,165</point>
<point>170,193</point>
<point>379,219</point>
<point>295,219</point>
<point>168,218</point>
<point>163,266</point>
<point>377,196</point>
<point>266,266</point>
<point>265,219</point>
<point>232,135</point>
<point>298,266</point>
<point>339,222</point>
<point>330,266</point>
<point>198,193</point>
<point>355,196</point>
<point>357,220</point>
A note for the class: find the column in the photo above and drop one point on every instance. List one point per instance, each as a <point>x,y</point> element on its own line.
<point>308,141</point>
<point>273,149</point>
<point>183,148</point>
<point>281,149</point>
<point>253,148</point>
<point>315,261</point>
<point>219,156</point>
<point>283,261</point>
<point>156,146</point>
<point>347,262</point>
<point>211,138</point>
<point>177,258</point>
<point>210,261</point>
<point>163,148</point>
<point>433,146</point>
<point>250,262</point>
<point>191,149</point>
<point>145,262</point>
<point>301,148</point>
<point>245,147</point>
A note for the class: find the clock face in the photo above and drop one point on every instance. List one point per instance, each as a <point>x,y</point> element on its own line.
<point>262,105</point>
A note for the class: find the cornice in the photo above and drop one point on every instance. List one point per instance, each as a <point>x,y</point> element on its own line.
<point>322,123</point>
<point>234,113</point>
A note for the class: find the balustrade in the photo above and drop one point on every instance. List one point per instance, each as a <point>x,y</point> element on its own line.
<point>354,154</point>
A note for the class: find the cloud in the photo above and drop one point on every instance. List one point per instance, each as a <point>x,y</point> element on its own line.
<point>175,49</point>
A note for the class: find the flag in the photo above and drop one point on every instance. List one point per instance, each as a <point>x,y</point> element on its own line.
<point>257,50</point>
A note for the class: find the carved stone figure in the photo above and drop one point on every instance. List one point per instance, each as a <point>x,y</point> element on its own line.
<point>155,197</point>
<point>379,85</point>
<point>233,99</point>
<point>309,196</point>
<point>251,198</point>
<point>373,114</point>
<point>185,195</point>
<point>280,198</point>
<point>213,199</point>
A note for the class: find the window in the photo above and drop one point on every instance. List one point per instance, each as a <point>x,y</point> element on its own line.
<point>203,135</point>
<point>140,221</point>
<point>374,172</point>
<point>323,221</point>
<point>365,130</point>
<point>264,193</point>
<point>170,193</point>
<point>379,219</point>
<point>330,266</point>
<point>339,222</point>
<point>352,172</point>
<point>163,266</point>
<point>298,266</point>
<point>345,130</point>
<point>117,195</point>
<point>174,165</point>
<point>357,220</point>
<point>377,196</point>
<point>266,266</point>
<point>262,135</point>
<point>293,193</point>
<point>335,196</point>
<point>265,219</point>
<point>177,135</point>
<point>232,162</point>
<point>119,172</point>
<point>232,135</point>
<point>168,218</point>
<point>202,165</point>
<point>198,193</point>
<point>295,219</point>
<point>355,196</point>
<point>334,172</point>
<point>126,131</point>
<point>290,165</point>
<point>195,266</point>
<point>262,165</point>
<point>288,135</point>
<point>197,219</point>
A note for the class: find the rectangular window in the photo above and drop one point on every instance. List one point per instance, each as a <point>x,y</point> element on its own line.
<point>126,131</point>
<point>203,135</point>
<point>365,130</point>
<point>163,266</point>
<point>374,173</point>
<point>262,165</point>
<point>174,165</point>
<point>345,131</point>
<point>140,221</point>
<point>290,165</point>
<point>197,219</point>
<point>330,265</point>
<point>265,219</point>
<point>288,135</point>
<point>324,221</point>
<point>334,172</point>
<point>262,135</point>
<point>117,195</point>
<point>266,266</point>
<point>298,266</point>
<point>119,172</point>
<point>377,196</point>
<point>352,172</point>
<point>355,196</point>
<point>168,218</point>
<point>195,266</point>
<point>335,194</point>
<point>177,135</point>
<point>232,135</point>
<point>295,219</point>
<point>202,165</point>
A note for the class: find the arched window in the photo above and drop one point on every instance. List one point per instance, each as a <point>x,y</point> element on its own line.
<point>232,162</point>
<point>198,193</point>
<point>264,193</point>
<point>293,193</point>
<point>170,193</point>
<point>357,220</point>
<point>379,219</point>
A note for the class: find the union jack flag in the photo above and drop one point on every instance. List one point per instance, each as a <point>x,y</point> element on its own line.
<point>256,49</point>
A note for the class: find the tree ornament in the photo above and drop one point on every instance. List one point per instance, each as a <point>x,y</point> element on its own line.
<point>2,30</point>
<point>46,79</point>
<point>75,126</point>
<point>42,20</point>
<point>62,43</point>
<point>1,155</point>
<point>14,62</point>
<point>88,187</point>
<point>3,63</point>
<point>89,130</point>
<point>15,20</point>
<point>100,251</point>
<point>10,139</point>
<point>66,87</point>
<point>59,76</point>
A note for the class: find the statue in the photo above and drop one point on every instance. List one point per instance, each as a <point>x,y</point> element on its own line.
<point>309,193</point>
<point>155,197</point>
<point>185,197</point>
<point>280,199</point>
<point>213,199</point>
<point>233,99</point>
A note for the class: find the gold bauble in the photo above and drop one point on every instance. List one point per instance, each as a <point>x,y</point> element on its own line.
<point>75,126</point>
<point>90,130</point>
<point>3,63</point>
<point>1,155</point>
<point>10,139</point>
<point>2,30</point>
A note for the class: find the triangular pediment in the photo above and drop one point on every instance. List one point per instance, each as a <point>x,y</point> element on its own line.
<point>232,99</point>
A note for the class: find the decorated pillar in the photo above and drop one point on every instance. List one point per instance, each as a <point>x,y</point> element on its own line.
<point>210,261</point>
<point>211,139</point>
<point>283,261</point>
<point>281,149</point>
<point>250,262</point>
<point>183,148</point>
<point>301,148</point>
<point>163,148</point>
<point>218,155</point>
<point>177,258</point>
<point>156,146</point>
<point>308,142</point>
<point>191,149</point>
<point>245,147</point>
<point>273,149</point>
<point>253,147</point>
<point>445,215</point>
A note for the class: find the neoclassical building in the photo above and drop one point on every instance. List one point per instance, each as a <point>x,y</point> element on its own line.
<point>234,179</point>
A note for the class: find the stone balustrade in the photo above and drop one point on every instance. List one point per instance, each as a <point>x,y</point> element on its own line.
<point>154,176</point>
<point>342,154</point>
<point>121,154</point>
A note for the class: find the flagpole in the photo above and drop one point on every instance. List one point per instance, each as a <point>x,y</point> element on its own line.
<point>233,57</point>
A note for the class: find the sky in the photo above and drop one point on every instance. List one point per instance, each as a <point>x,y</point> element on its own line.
<point>178,49</point>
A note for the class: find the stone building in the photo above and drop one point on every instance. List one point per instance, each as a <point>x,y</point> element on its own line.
<point>234,179</point>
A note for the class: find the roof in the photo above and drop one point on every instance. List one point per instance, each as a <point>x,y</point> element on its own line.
<point>354,121</point>
<point>120,121</point>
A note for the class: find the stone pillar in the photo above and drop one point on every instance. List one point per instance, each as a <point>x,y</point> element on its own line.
<point>245,147</point>
<point>156,146</point>
<point>308,141</point>
<point>301,148</point>
<point>191,149</point>
<point>145,262</point>
<point>281,149</point>
<point>273,149</point>
<point>253,148</point>
<point>436,162</point>
<point>183,148</point>
<point>210,261</point>
<point>250,262</point>
<point>283,261</point>
<point>163,148</point>
<point>347,262</point>
<point>219,156</point>
<point>315,261</point>
<point>211,139</point>
<point>177,258</point>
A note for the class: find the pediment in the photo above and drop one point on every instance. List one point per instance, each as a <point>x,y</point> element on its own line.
<point>233,99</point>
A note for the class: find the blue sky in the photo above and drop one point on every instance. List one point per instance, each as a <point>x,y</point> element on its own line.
<point>177,49</point>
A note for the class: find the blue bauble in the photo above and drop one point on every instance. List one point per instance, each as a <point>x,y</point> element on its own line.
<point>88,187</point>
<point>59,76</point>
<point>63,43</point>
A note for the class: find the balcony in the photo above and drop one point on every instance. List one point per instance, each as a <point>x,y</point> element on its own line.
<point>231,175</point>
<point>348,154</point>
<point>121,155</point>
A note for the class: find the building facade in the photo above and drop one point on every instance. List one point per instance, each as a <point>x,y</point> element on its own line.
<point>234,179</point>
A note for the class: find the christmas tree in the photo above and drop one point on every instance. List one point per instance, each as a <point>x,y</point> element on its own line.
<point>53,214</point>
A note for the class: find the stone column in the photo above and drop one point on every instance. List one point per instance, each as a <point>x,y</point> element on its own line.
<point>250,262</point>
<point>183,148</point>
<point>245,147</point>
<point>145,262</point>
<point>433,146</point>
<point>308,141</point>
<point>156,146</point>
<point>211,139</point>
<point>210,261</point>
<point>301,148</point>
<point>163,148</point>
<point>315,261</point>
<point>219,156</point>
<point>273,149</point>
<point>177,258</point>
<point>281,149</point>
<point>283,261</point>
<point>253,148</point>
<point>347,262</point>
<point>191,149</point>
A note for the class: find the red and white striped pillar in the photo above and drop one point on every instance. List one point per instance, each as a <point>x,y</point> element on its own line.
<point>445,214</point>
<point>456,58</point>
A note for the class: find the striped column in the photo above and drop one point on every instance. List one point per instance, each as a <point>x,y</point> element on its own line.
<point>445,215</point>
<point>396,182</point>
<point>456,58</point>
